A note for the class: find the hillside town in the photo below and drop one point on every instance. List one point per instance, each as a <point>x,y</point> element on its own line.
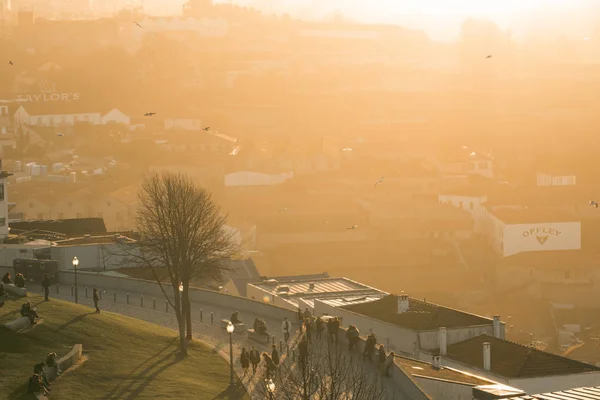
<point>427,197</point>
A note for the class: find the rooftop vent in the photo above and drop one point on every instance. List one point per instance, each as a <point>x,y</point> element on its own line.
<point>87,237</point>
<point>402,303</point>
<point>270,282</point>
<point>311,286</point>
<point>283,289</point>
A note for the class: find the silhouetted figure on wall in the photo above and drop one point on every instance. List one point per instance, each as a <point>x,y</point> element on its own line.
<point>46,286</point>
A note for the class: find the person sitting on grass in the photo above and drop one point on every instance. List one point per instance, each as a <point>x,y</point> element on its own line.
<point>260,327</point>
<point>34,385</point>
<point>20,281</point>
<point>27,311</point>
<point>6,279</point>
<point>39,370</point>
<point>51,363</point>
<point>235,319</point>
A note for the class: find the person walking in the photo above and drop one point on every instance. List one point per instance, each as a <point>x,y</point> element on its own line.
<point>353,336</point>
<point>388,364</point>
<point>370,346</point>
<point>245,360</point>
<point>254,358</point>
<point>270,366</point>
<point>381,358</point>
<point>96,300</point>
<point>275,355</point>
<point>46,286</point>
<point>286,328</point>
<point>320,327</point>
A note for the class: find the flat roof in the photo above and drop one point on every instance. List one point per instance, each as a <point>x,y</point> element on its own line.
<point>582,393</point>
<point>301,287</point>
<point>82,241</point>
<point>420,316</point>
<point>418,368</point>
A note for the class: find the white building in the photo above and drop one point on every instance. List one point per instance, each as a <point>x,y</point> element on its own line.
<point>303,291</point>
<point>555,179</point>
<point>40,114</point>
<point>512,230</point>
<point>251,178</point>
<point>409,326</point>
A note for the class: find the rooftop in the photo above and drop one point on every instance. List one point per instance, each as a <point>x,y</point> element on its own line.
<point>531,215</point>
<point>73,226</point>
<point>583,393</point>
<point>89,240</point>
<point>418,369</point>
<point>421,316</point>
<point>513,360</point>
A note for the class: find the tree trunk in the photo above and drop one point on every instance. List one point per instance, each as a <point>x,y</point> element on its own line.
<point>188,313</point>
<point>179,313</point>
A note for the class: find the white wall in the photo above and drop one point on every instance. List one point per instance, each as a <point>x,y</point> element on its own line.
<point>556,383</point>
<point>541,237</point>
<point>440,389</point>
<point>91,256</point>
<point>247,178</point>
<point>115,116</point>
<point>10,252</point>
<point>429,339</point>
<point>188,124</point>
<point>553,180</point>
<point>65,119</point>
<point>258,294</point>
<point>467,203</point>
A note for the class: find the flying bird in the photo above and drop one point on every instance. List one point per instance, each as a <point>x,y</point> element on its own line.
<point>149,114</point>
<point>10,63</point>
<point>60,134</point>
<point>490,56</point>
<point>593,203</point>
<point>353,227</point>
<point>206,129</point>
<point>378,182</point>
<point>137,24</point>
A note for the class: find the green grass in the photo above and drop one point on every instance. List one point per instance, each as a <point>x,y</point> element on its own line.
<point>124,358</point>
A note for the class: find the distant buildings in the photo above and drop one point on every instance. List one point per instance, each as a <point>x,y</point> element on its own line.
<point>42,114</point>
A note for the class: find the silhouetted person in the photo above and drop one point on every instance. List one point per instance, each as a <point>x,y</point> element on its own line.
<point>39,369</point>
<point>353,336</point>
<point>275,355</point>
<point>245,360</point>
<point>381,358</point>
<point>27,311</point>
<point>254,358</point>
<point>307,313</point>
<point>235,319</point>
<point>370,346</point>
<point>46,286</point>
<point>96,297</point>
<point>286,328</point>
<point>19,281</point>
<point>7,279</point>
<point>333,326</point>
<point>270,365</point>
<point>308,329</point>
<point>303,351</point>
<point>300,316</point>
<point>51,363</point>
<point>388,364</point>
<point>260,327</point>
<point>320,327</point>
<point>34,385</point>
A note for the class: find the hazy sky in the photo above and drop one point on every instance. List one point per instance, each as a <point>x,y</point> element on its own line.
<point>440,18</point>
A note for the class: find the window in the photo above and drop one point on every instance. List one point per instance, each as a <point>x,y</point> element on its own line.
<point>2,221</point>
<point>108,203</point>
<point>482,164</point>
<point>471,205</point>
<point>30,205</point>
<point>2,192</point>
<point>86,118</point>
<point>460,204</point>
<point>40,121</point>
<point>567,275</point>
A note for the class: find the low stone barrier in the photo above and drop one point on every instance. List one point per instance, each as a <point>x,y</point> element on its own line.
<point>238,328</point>
<point>65,362</point>
<point>258,337</point>
<point>18,324</point>
<point>11,288</point>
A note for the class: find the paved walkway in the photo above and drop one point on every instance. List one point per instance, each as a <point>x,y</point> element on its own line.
<point>213,335</point>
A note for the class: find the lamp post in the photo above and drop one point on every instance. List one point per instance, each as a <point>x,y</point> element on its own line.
<point>270,388</point>
<point>75,264</point>
<point>230,329</point>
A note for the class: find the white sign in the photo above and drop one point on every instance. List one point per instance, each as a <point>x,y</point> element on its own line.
<point>542,237</point>
<point>46,97</point>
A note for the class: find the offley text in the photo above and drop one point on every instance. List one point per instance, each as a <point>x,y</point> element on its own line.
<point>541,231</point>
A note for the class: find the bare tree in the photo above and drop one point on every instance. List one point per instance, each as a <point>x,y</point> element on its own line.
<point>327,373</point>
<point>181,230</point>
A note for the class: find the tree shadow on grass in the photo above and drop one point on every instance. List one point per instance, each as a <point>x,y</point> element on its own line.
<point>237,392</point>
<point>117,389</point>
<point>73,321</point>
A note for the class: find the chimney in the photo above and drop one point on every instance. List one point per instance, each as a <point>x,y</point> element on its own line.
<point>496,327</point>
<point>311,286</point>
<point>402,303</point>
<point>437,362</point>
<point>487,356</point>
<point>442,341</point>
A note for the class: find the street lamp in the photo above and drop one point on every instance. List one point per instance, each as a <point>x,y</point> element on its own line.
<point>270,388</point>
<point>75,264</point>
<point>230,329</point>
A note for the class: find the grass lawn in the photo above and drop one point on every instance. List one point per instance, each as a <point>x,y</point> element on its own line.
<point>124,358</point>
